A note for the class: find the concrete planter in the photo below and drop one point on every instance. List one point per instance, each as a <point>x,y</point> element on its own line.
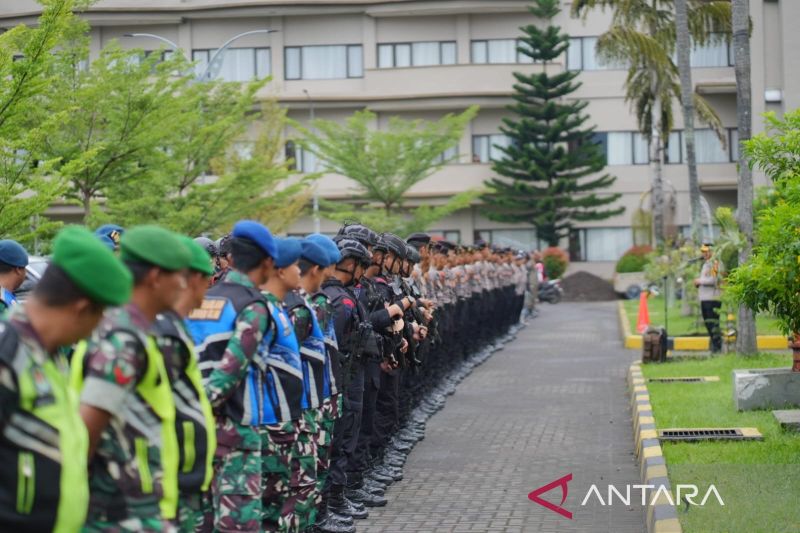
<point>766,388</point>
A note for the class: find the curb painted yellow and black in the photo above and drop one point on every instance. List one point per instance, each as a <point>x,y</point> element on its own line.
<point>634,342</point>
<point>661,514</point>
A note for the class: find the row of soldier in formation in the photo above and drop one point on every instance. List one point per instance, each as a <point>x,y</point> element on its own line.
<point>154,382</point>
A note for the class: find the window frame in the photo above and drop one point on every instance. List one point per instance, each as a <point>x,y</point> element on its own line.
<point>410,44</point>
<point>485,42</point>
<point>347,47</point>
<point>729,133</point>
<point>255,49</point>
<point>489,136</point>
<point>581,39</point>
<point>632,137</point>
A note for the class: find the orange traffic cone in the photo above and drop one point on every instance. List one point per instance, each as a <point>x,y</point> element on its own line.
<point>643,321</point>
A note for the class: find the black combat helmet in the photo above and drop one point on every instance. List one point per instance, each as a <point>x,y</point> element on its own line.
<point>208,245</point>
<point>356,250</point>
<point>418,240</point>
<point>224,245</point>
<point>395,244</point>
<point>412,254</point>
<point>360,233</point>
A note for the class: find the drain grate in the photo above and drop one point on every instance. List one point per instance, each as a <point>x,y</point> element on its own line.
<point>709,434</point>
<point>686,379</point>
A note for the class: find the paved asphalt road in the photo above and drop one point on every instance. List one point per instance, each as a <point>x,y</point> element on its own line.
<point>551,403</point>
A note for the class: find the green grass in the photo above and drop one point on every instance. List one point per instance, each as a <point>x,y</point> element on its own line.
<point>683,326</point>
<point>758,481</point>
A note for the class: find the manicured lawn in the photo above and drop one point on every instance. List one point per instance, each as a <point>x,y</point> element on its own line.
<point>680,326</point>
<point>758,481</point>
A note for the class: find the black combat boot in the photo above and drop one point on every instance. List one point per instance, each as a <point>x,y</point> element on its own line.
<point>337,509</point>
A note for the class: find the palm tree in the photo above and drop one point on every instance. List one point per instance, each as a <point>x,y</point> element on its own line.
<point>746,331</point>
<point>683,44</point>
<point>643,35</point>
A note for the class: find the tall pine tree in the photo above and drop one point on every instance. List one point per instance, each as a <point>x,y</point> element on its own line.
<point>549,169</point>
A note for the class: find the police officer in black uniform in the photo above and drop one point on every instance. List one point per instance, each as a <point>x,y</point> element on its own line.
<point>352,333</point>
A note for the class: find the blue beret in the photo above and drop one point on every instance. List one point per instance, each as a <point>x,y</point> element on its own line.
<point>289,251</point>
<point>258,233</point>
<point>12,253</point>
<point>314,253</point>
<point>112,231</point>
<point>334,255</point>
<point>108,241</point>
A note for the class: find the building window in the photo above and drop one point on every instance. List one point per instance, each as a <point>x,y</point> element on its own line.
<point>716,52</point>
<point>238,64</point>
<point>623,147</point>
<point>299,159</point>
<point>452,235</point>
<point>487,148</point>
<point>324,62</point>
<point>421,54</point>
<point>707,147</point>
<point>448,156</point>
<point>523,239</point>
<point>499,51</point>
<point>582,55</point>
<point>600,244</point>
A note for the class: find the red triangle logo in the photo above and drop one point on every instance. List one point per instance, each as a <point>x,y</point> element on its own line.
<point>561,482</point>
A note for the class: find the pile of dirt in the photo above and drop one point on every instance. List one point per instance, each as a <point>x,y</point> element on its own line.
<point>586,287</point>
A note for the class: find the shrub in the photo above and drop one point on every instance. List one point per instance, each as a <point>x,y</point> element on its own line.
<point>634,260</point>
<point>555,262</point>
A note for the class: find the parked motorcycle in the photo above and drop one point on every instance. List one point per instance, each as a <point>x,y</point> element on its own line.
<point>551,291</point>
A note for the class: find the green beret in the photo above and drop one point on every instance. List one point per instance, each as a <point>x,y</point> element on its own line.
<point>200,261</point>
<point>156,246</point>
<point>92,266</point>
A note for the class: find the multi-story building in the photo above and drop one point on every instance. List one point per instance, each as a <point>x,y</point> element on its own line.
<point>426,58</point>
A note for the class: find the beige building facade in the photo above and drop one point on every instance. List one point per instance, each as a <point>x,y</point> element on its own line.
<point>427,58</point>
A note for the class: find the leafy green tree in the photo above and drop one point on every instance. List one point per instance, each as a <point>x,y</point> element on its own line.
<point>26,190</point>
<point>547,170</point>
<point>385,165</point>
<point>643,36</point>
<point>120,112</point>
<point>207,184</point>
<point>770,280</point>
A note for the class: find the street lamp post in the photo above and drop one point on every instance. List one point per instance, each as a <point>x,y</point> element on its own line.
<point>215,63</point>
<point>315,208</point>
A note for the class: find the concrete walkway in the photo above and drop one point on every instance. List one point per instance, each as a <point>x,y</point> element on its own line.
<point>553,402</point>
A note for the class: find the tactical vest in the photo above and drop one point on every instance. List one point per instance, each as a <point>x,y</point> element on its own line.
<point>284,385</point>
<point>312,353</point>
<point>322,305</point>
<point>43,452</point>
<point>155,391</point>
<point>212,325</point>
<point>194,420</point>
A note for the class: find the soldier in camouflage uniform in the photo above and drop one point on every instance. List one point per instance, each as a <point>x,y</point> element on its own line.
<point>45,445</point>
<point>126,402</point>
<point>313,262</point>
<point>194,422</point>
<point>289,460</point>
<point>228,329</point>
<point>333,403</point>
